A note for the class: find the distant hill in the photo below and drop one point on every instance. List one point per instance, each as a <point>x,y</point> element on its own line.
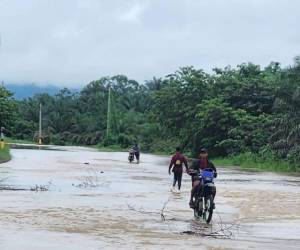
<point>22,91</point>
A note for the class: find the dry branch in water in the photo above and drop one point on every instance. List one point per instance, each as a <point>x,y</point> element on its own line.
<point>92,180</point>
<point>41,188</point>
<point>163,209</point>
<point>142,211</point>
<point>218,230</point>
<point>221,231</point>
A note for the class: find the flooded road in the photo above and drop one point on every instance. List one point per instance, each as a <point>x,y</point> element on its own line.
<point>78,198</point>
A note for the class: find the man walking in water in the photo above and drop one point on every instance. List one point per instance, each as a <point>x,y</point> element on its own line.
<point>176,162</point>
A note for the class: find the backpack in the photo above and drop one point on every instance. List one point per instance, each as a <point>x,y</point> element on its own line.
<point>178,162</point>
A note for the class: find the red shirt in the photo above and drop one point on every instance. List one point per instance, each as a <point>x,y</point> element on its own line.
<point>177,160</point>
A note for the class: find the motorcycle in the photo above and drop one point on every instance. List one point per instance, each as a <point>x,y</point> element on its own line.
<point>131,156</point>
<point>204,198</point>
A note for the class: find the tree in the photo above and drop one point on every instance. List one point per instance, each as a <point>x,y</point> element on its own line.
<point>214,119</point>
<point>8,110</point>
<point>286,137</point>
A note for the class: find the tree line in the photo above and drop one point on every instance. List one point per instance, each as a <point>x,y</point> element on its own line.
<point>229,111</point>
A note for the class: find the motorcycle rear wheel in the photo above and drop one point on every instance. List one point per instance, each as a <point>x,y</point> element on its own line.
<point>130,159</point>
<point>198,209</point>
<point>208,209</point>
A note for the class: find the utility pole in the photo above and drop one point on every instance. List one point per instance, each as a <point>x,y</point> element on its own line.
<point>108,121</point>
<point>40,125</point>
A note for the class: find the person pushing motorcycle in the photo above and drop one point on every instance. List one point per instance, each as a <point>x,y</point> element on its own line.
<point>136,151</point>
<point>202,163</point>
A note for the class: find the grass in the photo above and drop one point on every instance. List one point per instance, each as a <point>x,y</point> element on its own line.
<point>160,153</point>
<point>252,161</point>
<point>11,140</point>
<point>118,148</point>
<point>4,154</point>
<point>111,148</point>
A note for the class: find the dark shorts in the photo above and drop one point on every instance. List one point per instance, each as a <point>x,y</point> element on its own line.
<point>137,155</point>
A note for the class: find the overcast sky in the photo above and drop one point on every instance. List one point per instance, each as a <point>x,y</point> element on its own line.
<point>71,42</point>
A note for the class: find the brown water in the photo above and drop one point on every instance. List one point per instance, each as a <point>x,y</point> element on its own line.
<point>98,200</point>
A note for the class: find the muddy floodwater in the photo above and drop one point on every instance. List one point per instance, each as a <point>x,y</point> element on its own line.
<point>77,198</point>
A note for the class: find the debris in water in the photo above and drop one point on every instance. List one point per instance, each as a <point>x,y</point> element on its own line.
<point>92,180</point>
<point>41,188</point>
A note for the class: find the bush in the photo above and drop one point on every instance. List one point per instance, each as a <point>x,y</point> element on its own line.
<point>58,140</point>
<point>107,141</point>
<point>46,139</point>
<point>159,145</point>
<point>294,158</point>
<point>266,161</point>
<point>124,140</point>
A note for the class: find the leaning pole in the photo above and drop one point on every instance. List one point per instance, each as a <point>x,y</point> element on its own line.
<point>40,125</point>
<point>108,121</point>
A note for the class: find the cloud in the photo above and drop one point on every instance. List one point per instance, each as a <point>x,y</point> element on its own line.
<point>134,13</point>
<point>71,42</point>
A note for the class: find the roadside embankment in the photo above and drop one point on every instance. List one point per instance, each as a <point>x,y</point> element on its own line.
<point>4,154</point>
<point>253,161</point>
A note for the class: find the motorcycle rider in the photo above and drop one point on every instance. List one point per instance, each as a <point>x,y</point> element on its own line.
<point>202,163</point>
<point>177,161</point>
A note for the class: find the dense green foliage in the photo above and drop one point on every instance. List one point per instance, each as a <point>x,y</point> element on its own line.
<point>8,109</point>
<point>231,111</point>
